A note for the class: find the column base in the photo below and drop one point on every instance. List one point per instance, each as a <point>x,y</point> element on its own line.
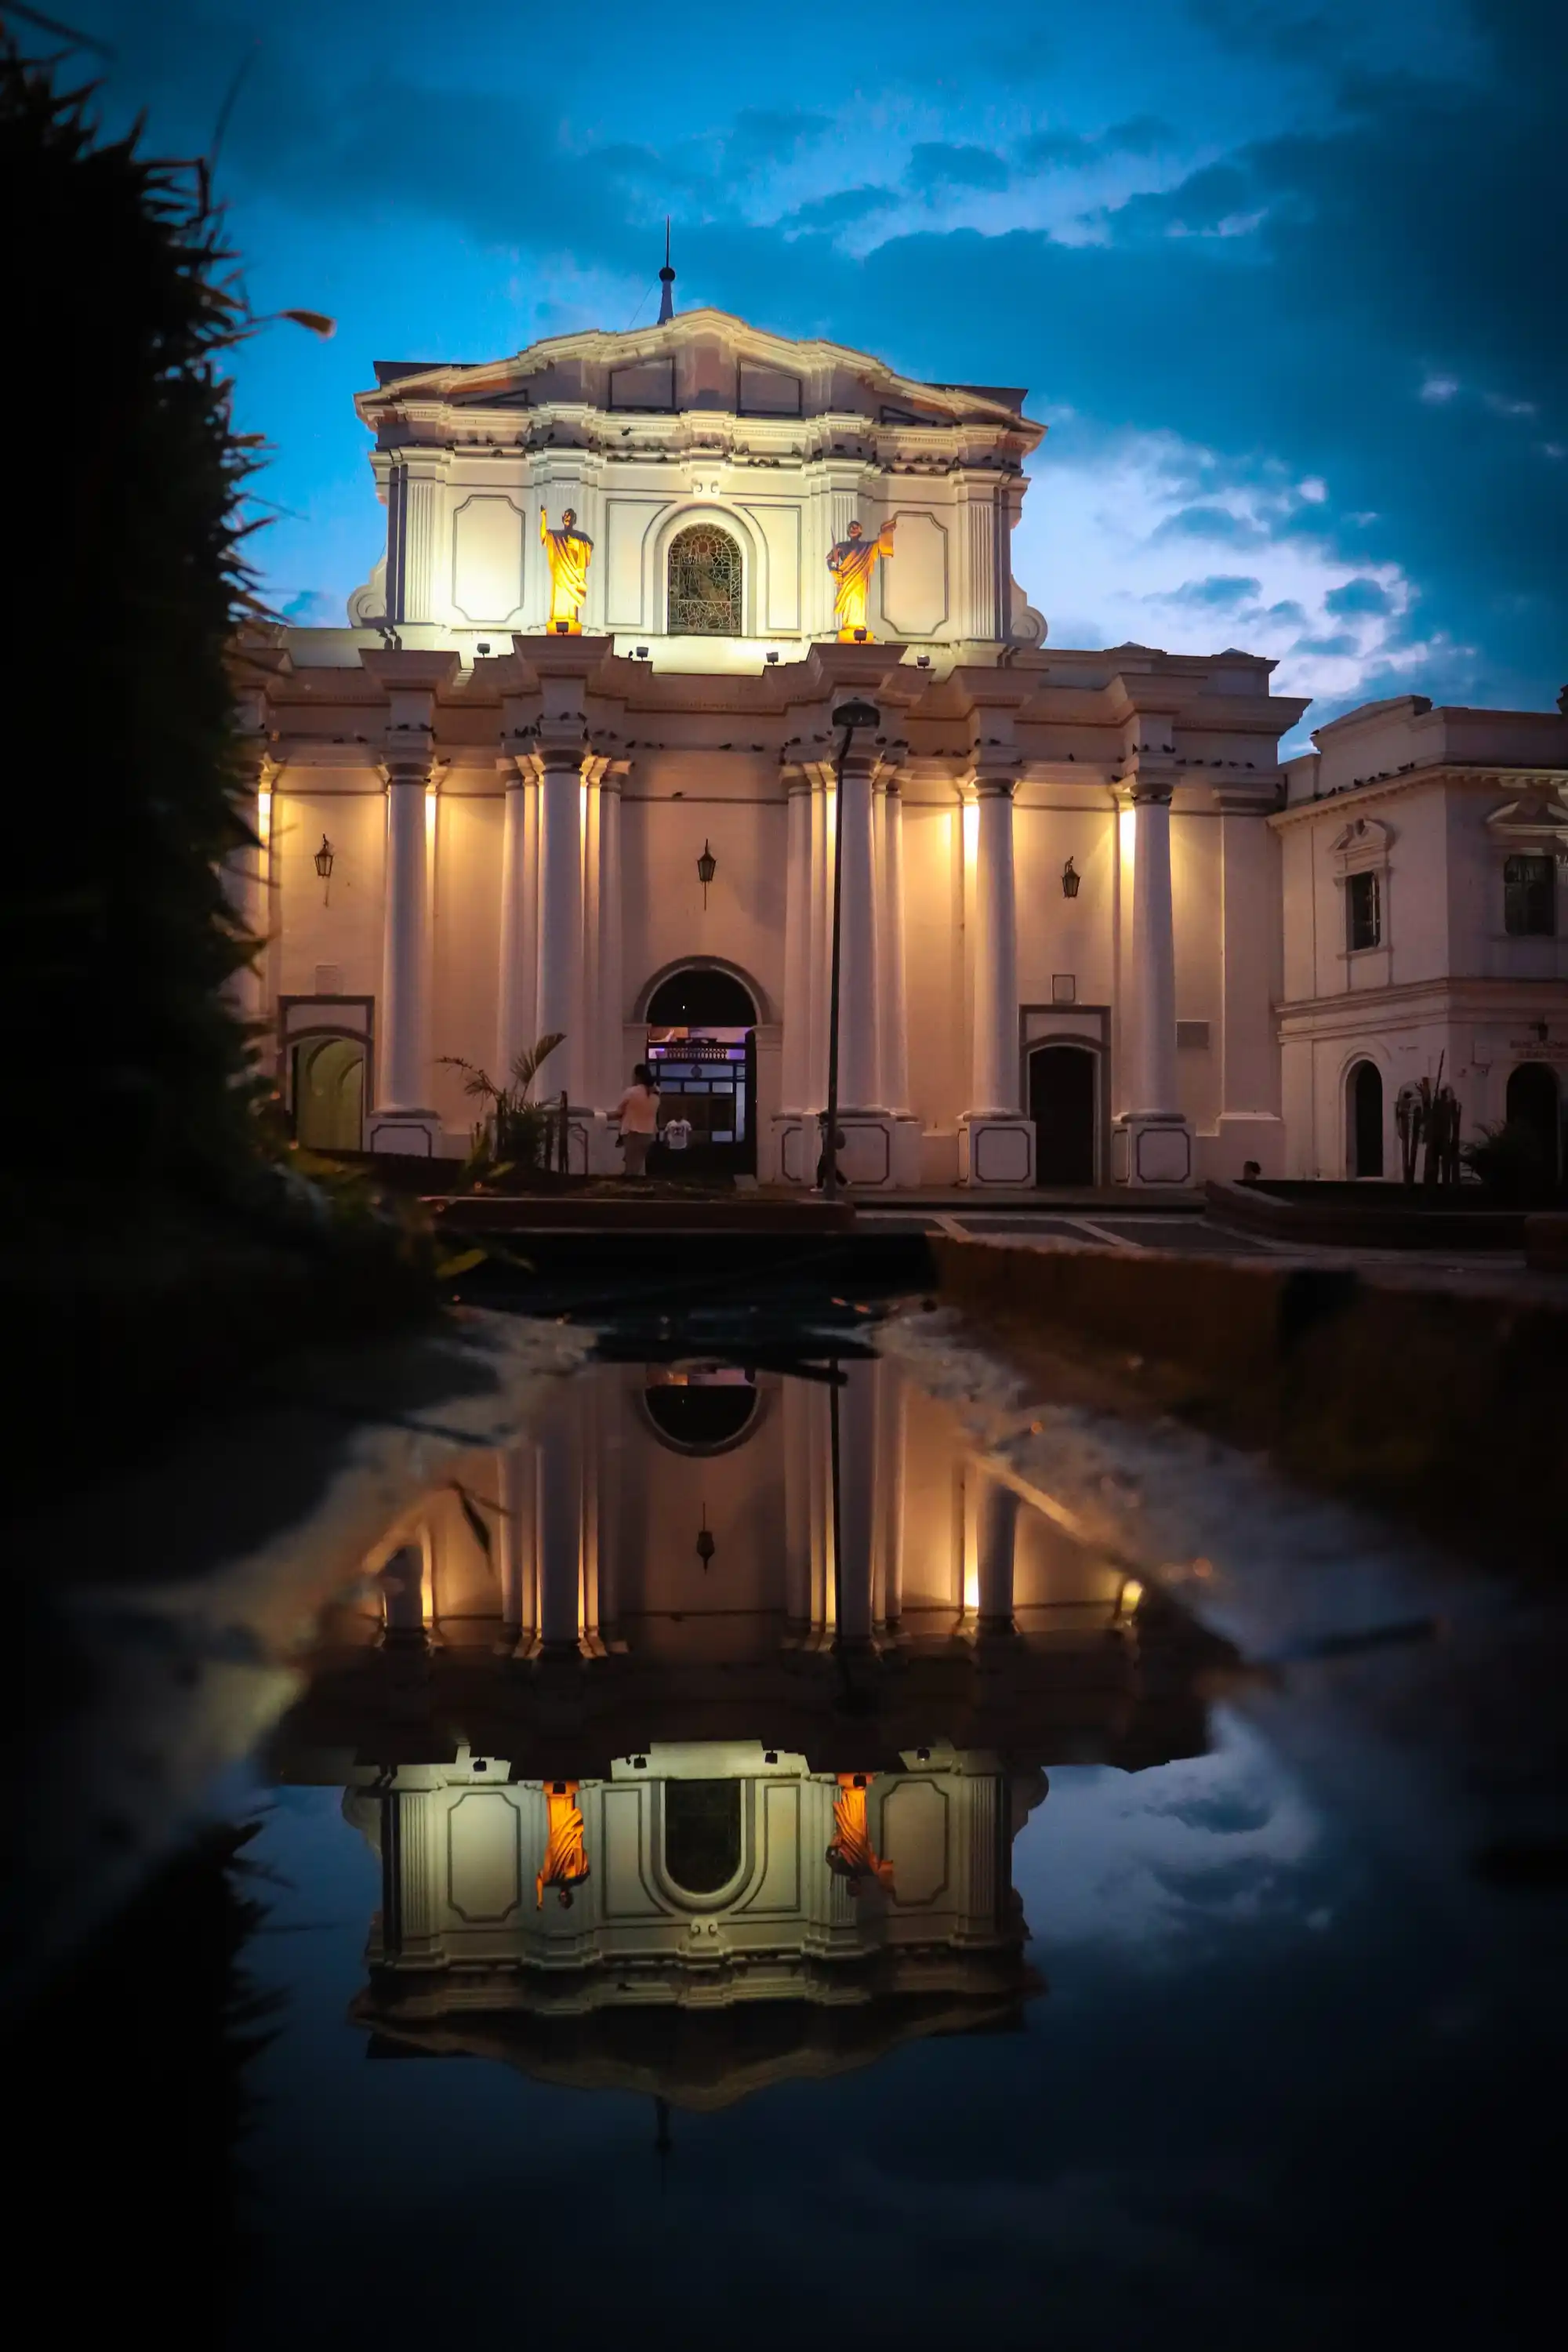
<point>1240,1136</point>
<point>996,1148</point>
<point>414,1133</point>
<point>1152,1147</point>
<point>880,1152</point>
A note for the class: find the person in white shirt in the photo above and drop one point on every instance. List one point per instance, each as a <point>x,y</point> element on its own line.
<point>638,1111</point>
<point>677,1133</point>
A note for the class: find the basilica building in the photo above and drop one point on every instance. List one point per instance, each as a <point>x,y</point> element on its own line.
<point>572,766</point>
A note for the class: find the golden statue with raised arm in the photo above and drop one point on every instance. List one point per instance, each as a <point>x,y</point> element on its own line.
<point>567,552</point>
<point>852,562</point>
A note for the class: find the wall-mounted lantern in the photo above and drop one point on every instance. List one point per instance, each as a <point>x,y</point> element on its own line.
<point>707,866</point>
<point>1071,878</point>
<point>706,1547</point>
<point>324,865</point>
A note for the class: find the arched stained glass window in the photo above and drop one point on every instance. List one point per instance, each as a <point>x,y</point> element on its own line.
<point>704,583</point>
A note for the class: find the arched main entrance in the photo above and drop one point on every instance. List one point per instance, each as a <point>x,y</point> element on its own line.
<point>702,1043</point>
<point>1062,1092</point>
<point>701,1408</point>
<point>1364,1119</point>
<point>1533,1101</point>
<point>329,1093</point>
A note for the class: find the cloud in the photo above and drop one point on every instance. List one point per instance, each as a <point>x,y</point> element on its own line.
<point>934,165</point>
<point>1048,150</point>
<point>827,214</point>
<point>1220,592</point>
<point>765,135</point>
<point>1359,595</point>
<point>1211,522</point>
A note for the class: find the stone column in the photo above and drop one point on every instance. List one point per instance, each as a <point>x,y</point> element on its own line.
<point>797,988</point>
<point>1154,1143</point>
<point>516,1030</point>
<point>402,1119</point>
<point>560,1533</point>
<point>518,1495</point>
<point>246,881</point>
<point>416,519</point>
<point>410,1860</point>
<point>1000,1142</point>
<point>824,815</point>
<point>560,996</point>
<point>612,1074</point>
<point>890,1384</point>
<point>858,991</point>
<point>856,1403</point>
<point>893,997</point>
<point>1252,983</point>
<point>996,1533</point>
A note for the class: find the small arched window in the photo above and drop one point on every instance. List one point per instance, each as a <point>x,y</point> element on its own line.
<point>704,583</point>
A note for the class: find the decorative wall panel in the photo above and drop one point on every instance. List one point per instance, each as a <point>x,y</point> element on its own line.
<point>915,599</point>
<point>487,558</point>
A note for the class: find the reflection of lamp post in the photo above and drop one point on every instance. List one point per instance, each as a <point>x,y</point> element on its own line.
<point>707,866</point>
<point>324,868</point>
<point>850,716</point>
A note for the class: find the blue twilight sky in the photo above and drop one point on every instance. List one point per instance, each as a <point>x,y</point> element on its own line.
<point>1285,278</point>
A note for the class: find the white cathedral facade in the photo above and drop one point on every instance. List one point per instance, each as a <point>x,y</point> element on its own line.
<point>572,766</point>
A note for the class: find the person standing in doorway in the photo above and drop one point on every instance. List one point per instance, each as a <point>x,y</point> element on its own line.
<point>676,1136</point>
<point>637,1112</point>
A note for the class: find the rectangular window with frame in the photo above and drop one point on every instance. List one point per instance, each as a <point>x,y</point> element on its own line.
<point>1363,910</point>
<point>1529,897</point>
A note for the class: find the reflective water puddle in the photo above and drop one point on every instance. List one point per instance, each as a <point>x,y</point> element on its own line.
<point>735,1866</point>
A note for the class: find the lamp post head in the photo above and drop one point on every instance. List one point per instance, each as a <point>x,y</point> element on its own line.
<point>857,714</point>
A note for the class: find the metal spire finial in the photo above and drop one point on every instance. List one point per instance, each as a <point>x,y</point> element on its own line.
<point>666,281</point>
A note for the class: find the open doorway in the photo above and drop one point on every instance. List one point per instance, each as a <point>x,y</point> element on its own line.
<point>1364,1119</point>
<point>703,1047</point>
<point>1533,1101</point>
<point>1064,1106</point>
<point>329,1093</point>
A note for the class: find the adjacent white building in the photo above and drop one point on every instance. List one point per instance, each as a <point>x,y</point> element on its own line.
<point>1064,921</point>
<point>1425,900</point>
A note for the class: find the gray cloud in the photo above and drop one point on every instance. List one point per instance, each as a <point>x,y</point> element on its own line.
<point>1220,592</point>
<point>1358,595</point>
<point>934,165</point>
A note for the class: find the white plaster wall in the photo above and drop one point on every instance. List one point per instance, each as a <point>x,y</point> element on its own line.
<point>934,963</point>
<point>315,924</point>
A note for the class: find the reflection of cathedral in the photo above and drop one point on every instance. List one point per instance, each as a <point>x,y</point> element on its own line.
<point>708,1774</point>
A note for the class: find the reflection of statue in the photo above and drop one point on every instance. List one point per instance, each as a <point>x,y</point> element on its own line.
<point>852,1855</point>
<point>567,552</point>
<point>565,1863</point>
<point>852,562</point>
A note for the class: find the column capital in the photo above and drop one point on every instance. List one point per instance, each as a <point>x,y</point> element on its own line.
<point>407,764</point>
<point>1144,792</point>
<point>992,783</point>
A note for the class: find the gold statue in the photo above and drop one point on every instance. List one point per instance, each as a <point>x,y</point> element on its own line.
<point>852,562</point>
<point>566,1863</point>
<point>851,1854</point>
<point>567,552</point>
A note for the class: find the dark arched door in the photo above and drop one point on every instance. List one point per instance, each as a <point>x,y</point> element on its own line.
<point>1364,1102</point>
<point>1534,1101</point>
<point>1062,1106</point>
<point>702,1043</point>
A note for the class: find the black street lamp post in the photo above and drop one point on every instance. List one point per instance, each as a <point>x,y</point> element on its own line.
<point>850,716</point>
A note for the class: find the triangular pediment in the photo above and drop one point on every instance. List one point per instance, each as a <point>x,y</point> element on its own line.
<point>699,359</point>
<point>1533,814</point>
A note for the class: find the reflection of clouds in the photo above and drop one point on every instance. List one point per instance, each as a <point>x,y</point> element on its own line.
<point>1147,1859</point>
